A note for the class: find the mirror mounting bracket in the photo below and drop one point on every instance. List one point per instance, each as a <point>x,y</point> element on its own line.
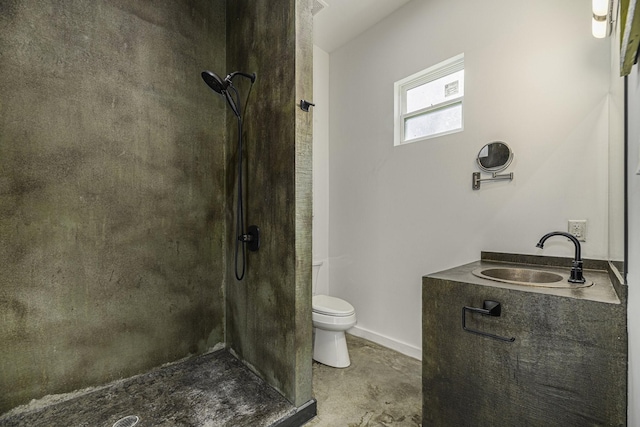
<point>475,178</point>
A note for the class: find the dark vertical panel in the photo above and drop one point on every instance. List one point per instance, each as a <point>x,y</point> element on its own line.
<point>111,190</point>
<point>269,313</point>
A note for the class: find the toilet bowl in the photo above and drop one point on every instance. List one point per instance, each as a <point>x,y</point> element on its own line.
<point>331,317</point>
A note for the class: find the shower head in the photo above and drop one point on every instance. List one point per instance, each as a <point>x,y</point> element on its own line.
<point>214,82</point>
<point>221,86</point>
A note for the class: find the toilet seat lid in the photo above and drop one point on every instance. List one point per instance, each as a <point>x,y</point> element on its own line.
<point>324,304</point>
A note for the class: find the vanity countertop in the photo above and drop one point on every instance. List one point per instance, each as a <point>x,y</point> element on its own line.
<point>602,290</point>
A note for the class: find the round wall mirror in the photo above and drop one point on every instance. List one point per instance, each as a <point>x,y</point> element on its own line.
<point>494,157</point>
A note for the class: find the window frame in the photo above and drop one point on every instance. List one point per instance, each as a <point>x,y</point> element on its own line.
<point>401,87</point>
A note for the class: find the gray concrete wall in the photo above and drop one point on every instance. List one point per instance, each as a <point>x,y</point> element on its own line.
<point>112,201</point>
<point>269,313</point>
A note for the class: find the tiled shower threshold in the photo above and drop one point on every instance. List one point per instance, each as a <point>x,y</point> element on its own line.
<point>210,390</point>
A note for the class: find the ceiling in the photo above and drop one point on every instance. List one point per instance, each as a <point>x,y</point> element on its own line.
<point>344,20</point>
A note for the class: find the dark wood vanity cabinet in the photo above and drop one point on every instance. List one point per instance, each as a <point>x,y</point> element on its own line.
<point>567,365</point>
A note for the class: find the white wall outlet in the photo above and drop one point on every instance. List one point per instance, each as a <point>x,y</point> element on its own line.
<point>578,227</point>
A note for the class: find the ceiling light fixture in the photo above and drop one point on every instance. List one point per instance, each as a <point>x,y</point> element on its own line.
<point>601,22</point>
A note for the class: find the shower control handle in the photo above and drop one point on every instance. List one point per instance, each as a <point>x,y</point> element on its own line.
<point>252,238</point>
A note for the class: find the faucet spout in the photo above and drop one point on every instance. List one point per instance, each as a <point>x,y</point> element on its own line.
<point>576,270</point>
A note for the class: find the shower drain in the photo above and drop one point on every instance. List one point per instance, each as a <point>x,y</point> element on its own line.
<point>128,421</point>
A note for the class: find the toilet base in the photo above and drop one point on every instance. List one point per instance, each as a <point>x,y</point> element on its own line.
<point>330,348</point>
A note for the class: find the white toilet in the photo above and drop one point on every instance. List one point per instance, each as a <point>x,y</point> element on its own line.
<point>331,317</point>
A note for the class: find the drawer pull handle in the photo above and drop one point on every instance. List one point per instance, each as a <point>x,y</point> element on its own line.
<point>489,308</point>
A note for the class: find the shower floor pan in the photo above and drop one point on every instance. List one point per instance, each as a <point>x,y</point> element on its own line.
<point>210,390</point>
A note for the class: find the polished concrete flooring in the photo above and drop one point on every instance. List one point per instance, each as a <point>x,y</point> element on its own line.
<point>380,388</point>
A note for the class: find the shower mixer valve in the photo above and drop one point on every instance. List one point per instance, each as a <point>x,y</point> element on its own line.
<point>252,238</point>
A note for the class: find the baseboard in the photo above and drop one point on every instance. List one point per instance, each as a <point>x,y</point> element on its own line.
<point>385,341</point>
<point>303,414</point>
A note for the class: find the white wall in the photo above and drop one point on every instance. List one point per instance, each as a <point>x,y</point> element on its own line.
<point>534,78</point>
<point>616,153</point>
<point>633,275</point>
<point>320,236</point>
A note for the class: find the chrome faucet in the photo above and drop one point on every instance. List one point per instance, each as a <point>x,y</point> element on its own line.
<point>576,270</point>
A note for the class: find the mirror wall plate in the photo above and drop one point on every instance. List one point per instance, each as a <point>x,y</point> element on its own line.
<point>494,157</point>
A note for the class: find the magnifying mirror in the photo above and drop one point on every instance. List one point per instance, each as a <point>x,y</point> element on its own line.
<point>494,157</point>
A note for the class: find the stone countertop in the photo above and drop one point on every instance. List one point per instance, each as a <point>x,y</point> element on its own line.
<point>602,289</point>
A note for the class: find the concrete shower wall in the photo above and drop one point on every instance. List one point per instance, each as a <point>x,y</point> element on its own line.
<point>112,202</point>
<point>268,318</point>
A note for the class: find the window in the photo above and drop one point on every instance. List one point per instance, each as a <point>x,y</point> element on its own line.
<point>429,103</point>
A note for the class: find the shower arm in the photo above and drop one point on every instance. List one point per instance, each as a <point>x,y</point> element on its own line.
<point>251,76</point>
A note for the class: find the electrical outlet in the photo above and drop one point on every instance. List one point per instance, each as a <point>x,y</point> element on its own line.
<point>578,227</point>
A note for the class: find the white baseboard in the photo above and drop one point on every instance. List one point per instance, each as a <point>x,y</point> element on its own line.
<point>385,341</point>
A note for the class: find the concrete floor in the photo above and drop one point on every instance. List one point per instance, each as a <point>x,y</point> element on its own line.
<point>213,390</point>
<point>380,388</point>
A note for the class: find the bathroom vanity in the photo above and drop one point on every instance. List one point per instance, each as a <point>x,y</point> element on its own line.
<point>500,353</point>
